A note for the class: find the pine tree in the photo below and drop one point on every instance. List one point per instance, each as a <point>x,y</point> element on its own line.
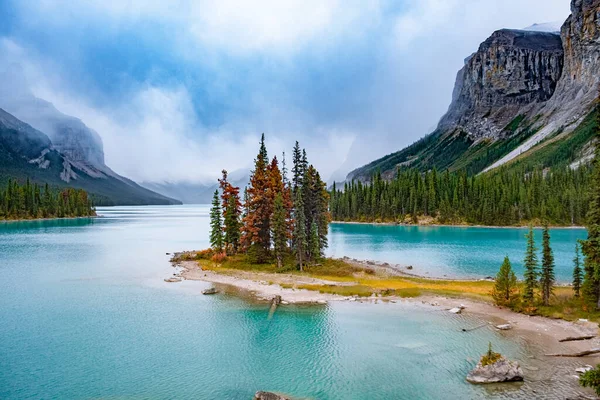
<point>591,247</point>
<point>300,237</point>
<point>279,229</point>
<point>257,230</point>
<point>531,265</point>
<point>577,272</point>
<point>505,287</point>
<point>547,273</point>
<point>216,227</point>
<point>232,224</point>
<point>314,247</point>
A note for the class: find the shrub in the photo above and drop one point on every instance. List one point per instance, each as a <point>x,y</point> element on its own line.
<point>219,258</point>
<point>591,379</point>
<point>490,357</point>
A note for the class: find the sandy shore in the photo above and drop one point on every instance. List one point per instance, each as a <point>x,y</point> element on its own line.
<point>265,286</point>
<point>538,336</point>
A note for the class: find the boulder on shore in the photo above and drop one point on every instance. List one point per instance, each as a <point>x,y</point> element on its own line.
<point>211,290</point>
<point>502,370</point>
<point>260,395</point>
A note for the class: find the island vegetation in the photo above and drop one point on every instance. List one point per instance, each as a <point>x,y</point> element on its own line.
<point>31,201</point>
<point>280,221</point>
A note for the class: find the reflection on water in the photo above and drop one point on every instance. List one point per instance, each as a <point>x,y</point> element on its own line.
<point>85,314</point>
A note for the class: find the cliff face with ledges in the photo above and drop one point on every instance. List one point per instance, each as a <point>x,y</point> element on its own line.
<point>512,69</point>
<point>518,92</point>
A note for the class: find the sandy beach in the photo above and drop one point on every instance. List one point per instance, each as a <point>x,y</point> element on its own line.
<point>265,286</point>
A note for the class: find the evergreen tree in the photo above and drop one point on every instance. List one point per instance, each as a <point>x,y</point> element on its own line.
<point>300,236</point>
<point>257,230</point>
<point>216,226</point>
<point>279,227</point>
<point>505,286</point>
<point>314,247</point>
<point>547,273</point>
<point>232,224</point>
<point>577,272</point>
<point>531,266</point>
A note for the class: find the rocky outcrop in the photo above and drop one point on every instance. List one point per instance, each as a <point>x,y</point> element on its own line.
<point>520,84</point>
<point>502,370</point>
<point>577,89</point>
<point>512,69</point>
<point>260,395</point>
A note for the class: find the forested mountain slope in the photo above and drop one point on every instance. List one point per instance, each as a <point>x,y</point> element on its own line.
<point>522,95</point>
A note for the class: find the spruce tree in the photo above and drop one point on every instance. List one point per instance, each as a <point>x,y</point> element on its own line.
<point>232,223</point>
<point>577,272</point>
<point>547,273</point>
<point>279,227</point>
<point>505,286</point>
<point>314,247</point>
<point>216,227</point>
<point>591,247</point>
<point>531,266</point>
<point>300,236</point>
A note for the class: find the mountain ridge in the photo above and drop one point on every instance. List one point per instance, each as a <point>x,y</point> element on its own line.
<point>518,90</point>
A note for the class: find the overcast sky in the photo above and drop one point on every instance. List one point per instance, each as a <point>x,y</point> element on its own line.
<point>180,89</point>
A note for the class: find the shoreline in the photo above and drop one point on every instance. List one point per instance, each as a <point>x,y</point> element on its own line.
<point>456,225</point>
<point>48,219</point>
<point>264,287</point>
<point>537,336</point>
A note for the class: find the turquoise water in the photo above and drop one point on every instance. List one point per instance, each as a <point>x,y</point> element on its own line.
<point>85,314</point>
<point>471,252</point>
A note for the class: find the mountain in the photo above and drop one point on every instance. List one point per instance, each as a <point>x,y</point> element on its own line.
<point>26,152</point>
<point>525,97</point>
<point>553,27</point>
<point>195,193</point>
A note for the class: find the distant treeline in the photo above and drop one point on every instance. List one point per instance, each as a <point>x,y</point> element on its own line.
<point>30,201</point>
<point>503,197</point>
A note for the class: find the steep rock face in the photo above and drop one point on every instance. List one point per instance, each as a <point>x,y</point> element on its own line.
<point>519,88</point>
<point>69,135</point>
<point>512,69</point>
<point>579,84</point>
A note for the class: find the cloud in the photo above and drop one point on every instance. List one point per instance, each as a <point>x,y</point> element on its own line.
<point>179,90</point>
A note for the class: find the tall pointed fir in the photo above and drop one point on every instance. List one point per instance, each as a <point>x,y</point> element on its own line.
<point>232,212</point>
<point>591,247</point>
<point>216,226</point>
<point>300,236</point>
<point>257,230</point>
<point>504,292</point>
<point>547,274</point>
<point>279,230</point>
<point>531,266</point>
<point>577,272</point>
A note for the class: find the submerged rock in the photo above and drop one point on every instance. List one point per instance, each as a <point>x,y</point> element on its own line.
<point>260,395</point>
<point>211,290</point>
<point>173,279</point>
<point>502,370</point>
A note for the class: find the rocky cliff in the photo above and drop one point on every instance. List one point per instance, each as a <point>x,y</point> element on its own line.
<point>522,91</point>
<point>512,69</point>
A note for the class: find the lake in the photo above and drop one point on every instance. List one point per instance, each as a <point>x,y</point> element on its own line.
<point>437,251</point>
<point>86,314</point>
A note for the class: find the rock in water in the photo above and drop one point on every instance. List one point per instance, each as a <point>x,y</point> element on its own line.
<point>455,310</point>
<point>260,395</point>
<point>502,370</point>
<point>211,290</point>
<point>504,327</point>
